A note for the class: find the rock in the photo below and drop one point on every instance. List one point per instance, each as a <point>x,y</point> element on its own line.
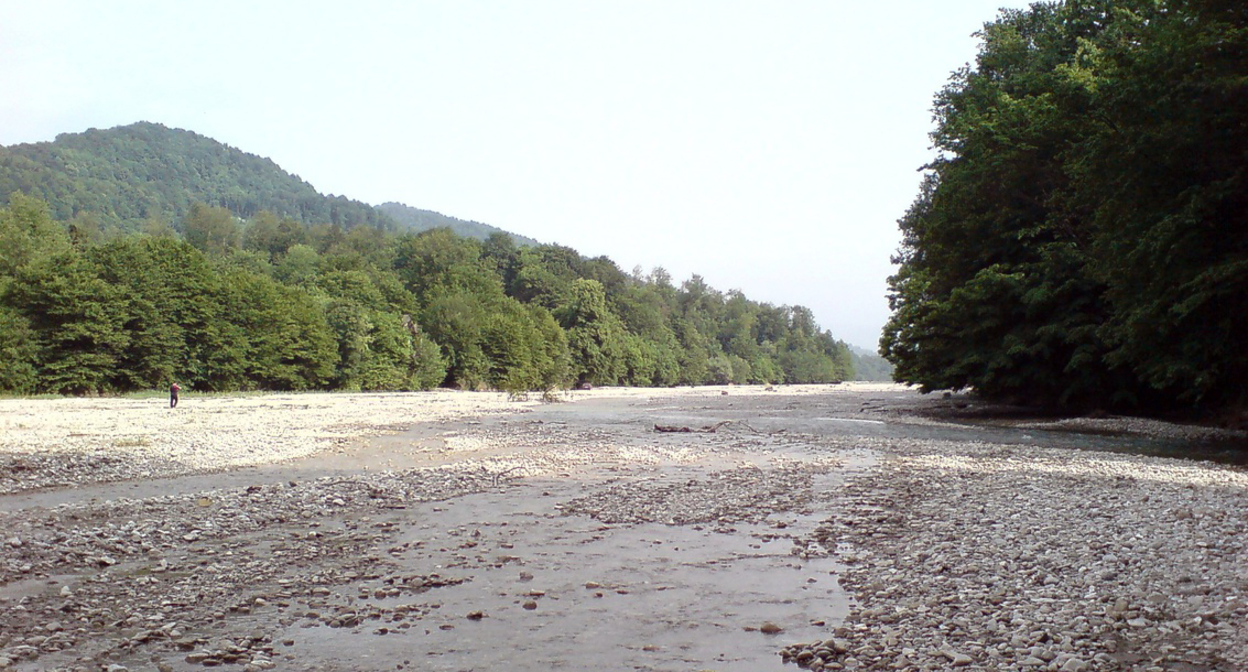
<point>530,605</point>
<point>957,659</point>
<point>476,615</point>
<point>1074,665</point>
<point>769,628</point>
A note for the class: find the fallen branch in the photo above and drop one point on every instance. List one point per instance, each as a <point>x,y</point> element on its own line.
<point>711,429</point>
<point>497,475</point>
<point>676,429</point>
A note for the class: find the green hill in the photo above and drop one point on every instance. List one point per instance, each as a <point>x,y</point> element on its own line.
<point>125,175</point>
<point>422,220</point>
<point>128,174</point>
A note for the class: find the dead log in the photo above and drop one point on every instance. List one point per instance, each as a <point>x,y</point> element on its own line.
<point>678,429</point>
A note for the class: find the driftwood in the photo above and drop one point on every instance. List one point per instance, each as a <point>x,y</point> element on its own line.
<point>676,429</point>
<point>709,429</point>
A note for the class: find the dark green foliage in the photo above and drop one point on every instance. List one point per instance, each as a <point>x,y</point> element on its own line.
<point>417,220</point>
<point>268,234</point>
<point>212,231</point>
<point>78,319</point>
<point>525,348</point>
<point>19,353</point>
<point>128,174</point>
<point>149,272</point>
<point>455,321</point>
<point>544,275</point>
<point>438,261</point>
<point>552,358</point>
<point>213,279</point>
<point>1082,238</point>
<point>286,341</point>
<point>381,350</point>
<point>27,233</point>
<point>596,336</point>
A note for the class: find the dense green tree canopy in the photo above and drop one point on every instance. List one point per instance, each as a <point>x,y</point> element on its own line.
<point>268,303</point>
<point>1081,238</point>
<point>141,255</point>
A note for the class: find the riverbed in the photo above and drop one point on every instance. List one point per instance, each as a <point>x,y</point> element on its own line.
<point>826,527</point>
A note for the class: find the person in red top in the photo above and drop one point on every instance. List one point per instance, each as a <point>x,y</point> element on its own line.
<point>174,389</point>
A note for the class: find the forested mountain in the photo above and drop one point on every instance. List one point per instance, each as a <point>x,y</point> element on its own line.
<point>124,176</point>
<point>129,176</point>
<point>1081,239</point>
<point>157,285</point>
<point>417,220</point>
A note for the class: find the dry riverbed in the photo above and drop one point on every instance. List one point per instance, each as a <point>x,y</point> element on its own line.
<point>820,527</point>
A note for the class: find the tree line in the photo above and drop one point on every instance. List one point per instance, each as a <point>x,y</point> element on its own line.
<point>222,303</point>
<point>1081,239</point>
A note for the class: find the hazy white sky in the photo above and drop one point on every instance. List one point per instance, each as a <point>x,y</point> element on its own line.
<point>768,146</point>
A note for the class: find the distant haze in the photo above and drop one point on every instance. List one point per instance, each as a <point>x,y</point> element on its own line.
<point>769,147</point>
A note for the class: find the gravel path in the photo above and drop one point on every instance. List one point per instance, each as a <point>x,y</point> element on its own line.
<point>948,553</point>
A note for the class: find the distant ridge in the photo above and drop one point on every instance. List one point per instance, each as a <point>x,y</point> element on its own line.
<point>423,220</point>
<point>125,175</point>
<point>870,366</point>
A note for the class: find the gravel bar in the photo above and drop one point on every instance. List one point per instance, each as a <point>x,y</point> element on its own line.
<point>990,557</point>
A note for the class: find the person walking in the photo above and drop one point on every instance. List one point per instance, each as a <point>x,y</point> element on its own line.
<point>174,389</point>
